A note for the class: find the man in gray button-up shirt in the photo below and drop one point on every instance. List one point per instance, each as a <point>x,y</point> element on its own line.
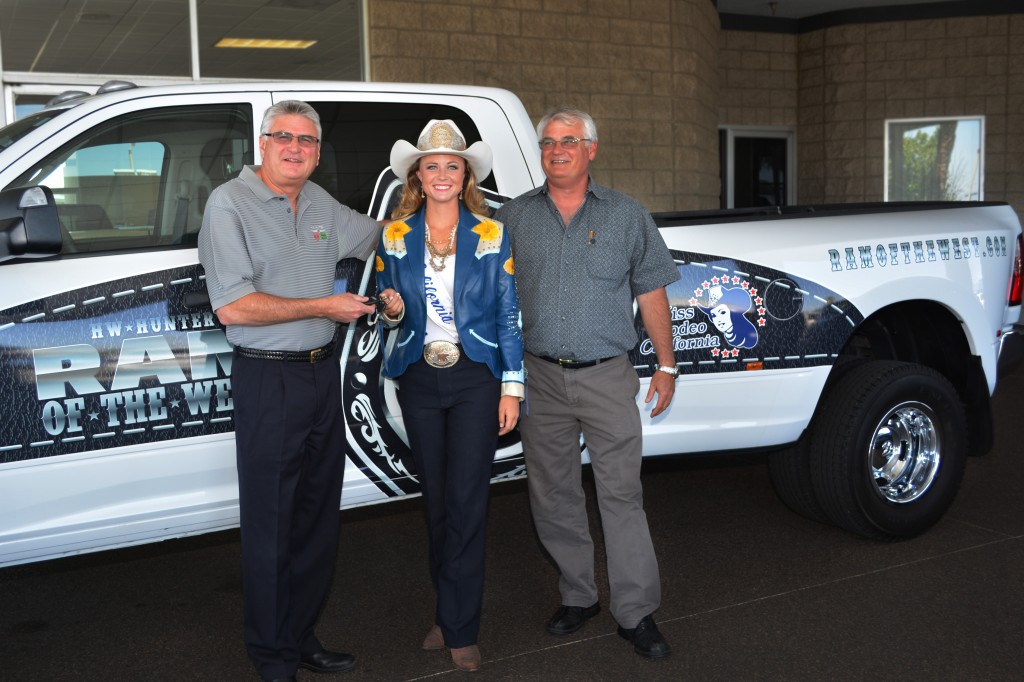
<point>582,254</point>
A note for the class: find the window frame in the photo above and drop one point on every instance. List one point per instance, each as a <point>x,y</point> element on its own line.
<point>231,115</point>
<point>926,121</point>
<point>728,157</point>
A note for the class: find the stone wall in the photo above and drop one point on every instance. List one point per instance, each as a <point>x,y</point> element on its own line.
<point>646,70</point>
<point>848,80</point>
<point>757,74</point>
<point>659,77</point>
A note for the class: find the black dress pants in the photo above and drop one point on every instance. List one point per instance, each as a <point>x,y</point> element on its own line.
<point>290,437</point>
<point>451,417</point>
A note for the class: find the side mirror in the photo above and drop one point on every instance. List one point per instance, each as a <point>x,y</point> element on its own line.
<point>29,224</point>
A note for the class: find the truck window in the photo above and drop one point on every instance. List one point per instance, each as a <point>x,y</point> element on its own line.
<point>357,141</point>
<point>141,180</point>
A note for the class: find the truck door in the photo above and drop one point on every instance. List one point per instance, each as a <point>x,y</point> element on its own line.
<point>110,359</point>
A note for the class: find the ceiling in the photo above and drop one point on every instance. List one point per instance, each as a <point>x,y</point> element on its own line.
<point>800,9</point>
<point>150,38</point>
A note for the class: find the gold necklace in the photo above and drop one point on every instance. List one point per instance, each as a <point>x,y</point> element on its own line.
<point>438,258</point>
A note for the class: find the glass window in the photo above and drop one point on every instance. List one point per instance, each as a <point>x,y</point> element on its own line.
<point>27,104</point>
<point>938,159</point>
<point>142,180</point>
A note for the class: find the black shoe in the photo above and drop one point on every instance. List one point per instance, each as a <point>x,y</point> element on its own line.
<point>569,619</point>
<point>328,662</point>
<point>646,639</point>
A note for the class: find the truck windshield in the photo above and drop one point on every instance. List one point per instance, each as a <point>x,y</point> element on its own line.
<point>17,130</point>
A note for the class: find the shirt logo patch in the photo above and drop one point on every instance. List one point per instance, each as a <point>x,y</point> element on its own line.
<point>320,234</point>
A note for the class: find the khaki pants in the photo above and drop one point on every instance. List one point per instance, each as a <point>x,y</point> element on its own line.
<point>600,402</point>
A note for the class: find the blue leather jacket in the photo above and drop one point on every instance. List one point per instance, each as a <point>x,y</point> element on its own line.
<point>486,305</point>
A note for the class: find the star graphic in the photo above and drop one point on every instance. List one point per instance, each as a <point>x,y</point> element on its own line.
<point>753,292</point>
<point>715,280</point>
<point>735,279</point>
<point>698,292</point>
<point>94,416</point>
<point>129,327</point>
<point>735,352</point>
<point>760,322</point>
<point>705,284</point>
<point>760,311</point>
<point>175,402</point>
<point>714,351</point>
<point>745,285</point>
<point>694,301</point>
<point>758,300</point>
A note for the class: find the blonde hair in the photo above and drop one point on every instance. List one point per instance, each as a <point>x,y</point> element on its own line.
<point>412,195</point>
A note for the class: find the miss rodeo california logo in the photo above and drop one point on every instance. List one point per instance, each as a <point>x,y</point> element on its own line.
<point>726,308</point>
<point>730,315</point>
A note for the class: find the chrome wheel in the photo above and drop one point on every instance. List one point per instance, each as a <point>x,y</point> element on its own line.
<point>905,452</point>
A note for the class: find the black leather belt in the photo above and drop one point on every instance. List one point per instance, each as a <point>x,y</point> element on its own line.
<point>573,364</point>
<point>310,356</point>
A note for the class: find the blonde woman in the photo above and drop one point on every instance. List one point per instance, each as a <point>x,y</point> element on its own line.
<point>445,272</point>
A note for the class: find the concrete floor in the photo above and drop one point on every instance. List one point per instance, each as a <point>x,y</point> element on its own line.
<point>751,592</point>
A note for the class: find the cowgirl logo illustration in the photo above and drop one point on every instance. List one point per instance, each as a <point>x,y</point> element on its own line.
<point>727,308</point>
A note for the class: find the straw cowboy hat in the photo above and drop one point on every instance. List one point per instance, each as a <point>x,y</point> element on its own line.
<point>441,137</point>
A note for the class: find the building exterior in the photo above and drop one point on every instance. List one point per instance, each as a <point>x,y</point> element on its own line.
<point>688,100</point>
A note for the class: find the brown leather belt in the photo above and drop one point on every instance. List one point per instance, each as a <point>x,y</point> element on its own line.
<point>310,356</point>
<point>573,364</point>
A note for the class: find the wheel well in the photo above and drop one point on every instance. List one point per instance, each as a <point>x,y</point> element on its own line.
<point>926,333</point>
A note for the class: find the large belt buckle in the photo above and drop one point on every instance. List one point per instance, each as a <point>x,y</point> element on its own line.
<point>441,354</point>
<point>314,355</point>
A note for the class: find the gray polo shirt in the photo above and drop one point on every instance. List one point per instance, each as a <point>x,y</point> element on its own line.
<point>576,283</point>
<point>250,242</point>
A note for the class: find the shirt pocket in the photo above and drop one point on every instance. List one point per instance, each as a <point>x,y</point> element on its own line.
<point>607,264</point>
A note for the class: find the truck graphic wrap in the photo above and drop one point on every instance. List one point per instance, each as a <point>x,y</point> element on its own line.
<point>125,362</point>
<point>144,359</point>
<point>731,315</point>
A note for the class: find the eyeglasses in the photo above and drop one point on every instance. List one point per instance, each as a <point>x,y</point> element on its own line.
<point>283,137</point>
<point>567,142</point>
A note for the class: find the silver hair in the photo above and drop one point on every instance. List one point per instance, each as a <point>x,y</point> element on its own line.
<point>569,116</point>
<point>290,107</point>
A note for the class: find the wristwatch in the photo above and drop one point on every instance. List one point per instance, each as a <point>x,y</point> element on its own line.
<point>670,370</point>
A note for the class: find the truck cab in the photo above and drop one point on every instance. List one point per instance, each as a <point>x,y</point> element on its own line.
<point>115,373</point>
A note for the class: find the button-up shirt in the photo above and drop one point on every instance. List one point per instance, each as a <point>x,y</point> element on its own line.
<point>576,282</point>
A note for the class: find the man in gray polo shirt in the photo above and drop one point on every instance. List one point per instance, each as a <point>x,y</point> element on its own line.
<point>583,253</point>
<point>270,243</point>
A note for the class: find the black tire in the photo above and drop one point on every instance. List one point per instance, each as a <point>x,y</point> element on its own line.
<point>789,468</point>
<point>790,472</point>
<point>888,449</point>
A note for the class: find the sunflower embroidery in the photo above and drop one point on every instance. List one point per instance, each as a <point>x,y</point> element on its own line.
<point>379,264</point>
<point>396,230</point>
<point>510,266</point>
<point>490,237</point>
<point>394,238</point>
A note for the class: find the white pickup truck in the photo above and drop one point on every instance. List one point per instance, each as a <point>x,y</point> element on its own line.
<point>859,343</point>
